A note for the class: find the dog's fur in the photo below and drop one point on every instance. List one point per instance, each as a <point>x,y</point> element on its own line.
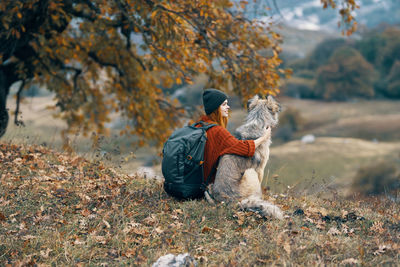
<point>239,178</point>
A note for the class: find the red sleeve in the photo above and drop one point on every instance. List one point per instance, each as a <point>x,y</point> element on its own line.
<point>230,145</point>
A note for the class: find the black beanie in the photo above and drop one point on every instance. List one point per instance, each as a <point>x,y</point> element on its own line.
<point>212,99</point>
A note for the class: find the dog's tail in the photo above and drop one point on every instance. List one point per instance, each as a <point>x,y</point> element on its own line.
<point>257,204</point>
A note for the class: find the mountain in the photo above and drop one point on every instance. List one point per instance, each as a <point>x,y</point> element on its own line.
<point>309,14</point>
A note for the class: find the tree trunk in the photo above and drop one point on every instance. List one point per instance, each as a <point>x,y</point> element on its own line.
<point>4,89</point>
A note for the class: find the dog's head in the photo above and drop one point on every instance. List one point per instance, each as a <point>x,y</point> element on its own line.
<point>266,109</point>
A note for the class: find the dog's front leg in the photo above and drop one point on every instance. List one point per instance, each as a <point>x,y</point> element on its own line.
<point>261,167</point>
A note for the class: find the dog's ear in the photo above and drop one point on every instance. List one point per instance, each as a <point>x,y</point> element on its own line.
<point>252,102</point>
<point>276,106</point>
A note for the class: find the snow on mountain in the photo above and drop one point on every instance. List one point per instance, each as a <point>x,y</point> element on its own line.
<point>309,14</point>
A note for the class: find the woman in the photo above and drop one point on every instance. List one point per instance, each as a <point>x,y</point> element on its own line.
<point>219,140</point>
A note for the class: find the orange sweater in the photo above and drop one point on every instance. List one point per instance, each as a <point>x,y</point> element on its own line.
<point>220,142</point>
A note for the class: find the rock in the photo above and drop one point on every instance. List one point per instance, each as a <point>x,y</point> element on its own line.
<point>170,260</point>
<point>308,139</point>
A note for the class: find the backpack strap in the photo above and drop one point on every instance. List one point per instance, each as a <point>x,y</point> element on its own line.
<point>204,125</point>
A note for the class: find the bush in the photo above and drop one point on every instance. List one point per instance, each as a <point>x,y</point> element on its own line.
<point>290,121</point>
<point>377,179</point>
<point>292,117</point>
<point>284,133</point>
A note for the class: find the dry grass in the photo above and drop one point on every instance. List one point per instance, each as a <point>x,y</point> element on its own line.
<point>58,209</point>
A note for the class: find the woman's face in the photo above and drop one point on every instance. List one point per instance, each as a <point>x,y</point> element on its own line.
<point>224,108</point>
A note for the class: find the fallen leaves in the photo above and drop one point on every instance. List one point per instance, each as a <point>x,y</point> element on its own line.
<point>129,253</point>
<point>135,228</point>
<point>107,224</point>
<point>316,212</point>
<point>98,215</point>
<point>45,253</point>
<point>2,217</point>
<point>333,231</point>
<point>377,227</point>
<point>350,261</point>
<point>28,237</point>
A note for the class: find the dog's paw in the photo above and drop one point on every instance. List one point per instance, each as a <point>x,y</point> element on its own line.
<point>261,206</point>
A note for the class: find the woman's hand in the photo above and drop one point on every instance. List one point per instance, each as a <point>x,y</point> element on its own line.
<point>263,138</point>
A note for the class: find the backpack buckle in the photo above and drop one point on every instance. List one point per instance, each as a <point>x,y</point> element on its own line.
<point>203,187</point>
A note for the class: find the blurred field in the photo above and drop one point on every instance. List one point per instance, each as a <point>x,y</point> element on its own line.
<point>364,119</point>
<point>348,136</point>
<point>328,164</point>
<point>379,120</point>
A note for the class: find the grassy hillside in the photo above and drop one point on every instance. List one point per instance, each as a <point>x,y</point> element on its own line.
<point>58,209</point>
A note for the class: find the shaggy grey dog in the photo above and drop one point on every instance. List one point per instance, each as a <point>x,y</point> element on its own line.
<point>239,178</point>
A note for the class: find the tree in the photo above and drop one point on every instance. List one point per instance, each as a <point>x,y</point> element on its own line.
<point>346,75</point>
<point>382,49</point>
<point>320,55</point>
<point>105,57</point>
<point>392,82</point>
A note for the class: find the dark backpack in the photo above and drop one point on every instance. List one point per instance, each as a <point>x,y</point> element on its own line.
<point>182,164</point>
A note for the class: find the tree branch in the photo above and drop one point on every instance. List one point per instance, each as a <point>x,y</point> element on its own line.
<point>93,56</point>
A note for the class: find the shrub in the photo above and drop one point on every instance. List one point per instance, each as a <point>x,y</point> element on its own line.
<point>290,121</point>
<point>293,118</point>
<point>377,179</point>
<point>284,133</point>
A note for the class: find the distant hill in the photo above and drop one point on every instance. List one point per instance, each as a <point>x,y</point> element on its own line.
<point>309,14</point>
